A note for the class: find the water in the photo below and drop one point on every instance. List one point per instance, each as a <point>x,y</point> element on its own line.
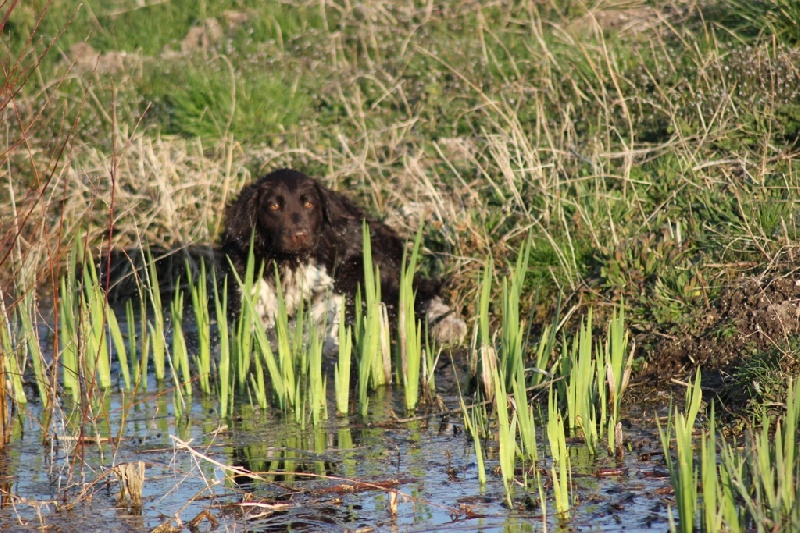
<point>331,477</point>
<point>338,476</point>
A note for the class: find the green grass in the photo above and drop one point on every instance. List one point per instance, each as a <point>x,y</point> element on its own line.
<point>200,306</point>
<point>682,468</point>
<point>560,469</point>
<point>507,437</point>
<point>410,332</point>
<point>342,368</point>
<point>584,137</point>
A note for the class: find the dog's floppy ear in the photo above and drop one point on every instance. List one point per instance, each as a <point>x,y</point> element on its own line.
<point>240,216</point>
<point>337,209</point>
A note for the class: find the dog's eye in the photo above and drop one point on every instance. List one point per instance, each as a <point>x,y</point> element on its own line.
<point>273,206</point>
<point>308,204</point>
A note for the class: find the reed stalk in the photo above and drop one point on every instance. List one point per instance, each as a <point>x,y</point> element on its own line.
<point>374,342</point>
<point>317,385</point>
<point>561,476</point>
<point>507,436</point>
<point>580,384</point>
<point>410,329</point>
<point>225,380</point>
<point>120,349</point>
<point>342,367</point>
<point>180,354</point>
<point>513,331</point>
<point>156,328</point>
<point>200,304</point>
<point>618,368</point>
<point>11,366</point>
<point>26,310</point>
<point>525,418</point>
<point>475,420</point>
<point>682,470</point>
<point>484,360</point>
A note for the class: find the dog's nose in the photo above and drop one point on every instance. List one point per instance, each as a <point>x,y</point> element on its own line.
<point>300,236</point>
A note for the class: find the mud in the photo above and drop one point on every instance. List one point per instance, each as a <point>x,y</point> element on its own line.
<point>754,315</point>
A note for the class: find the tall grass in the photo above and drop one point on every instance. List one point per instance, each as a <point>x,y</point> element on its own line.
<point>484,357</point>
<point>179,356</point>
<point>225,379</point>
<point>92,315</point>
<point>475,421</point>
<point>200,305</point>
<point>88,329</point>
<point>618,368</point>
<point>580,386</point>
<point>507,437</point>
<point>316,381</point>
<point>342,368</point>
<point>156,328</point>
<point>743,488</point>
<point>560,470</point>
<point>13,362</point>
<point>513,327</point>
<point>411,351</point>
<point>720,509</point>
<point>26,311</point>
<point>525,419</point>
<point>372,329</point>
<point>767,475</point>
<point>682,470</point>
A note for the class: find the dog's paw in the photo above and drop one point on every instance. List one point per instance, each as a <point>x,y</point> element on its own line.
<point>450,330</point>
<point>445,327</point>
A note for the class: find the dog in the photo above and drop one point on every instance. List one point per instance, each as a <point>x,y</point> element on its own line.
<point>312,237</point>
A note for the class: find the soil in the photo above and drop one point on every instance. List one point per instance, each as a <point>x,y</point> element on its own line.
<point>754,315</point>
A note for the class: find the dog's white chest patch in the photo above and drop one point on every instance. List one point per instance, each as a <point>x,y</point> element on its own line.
<point>306,283</point>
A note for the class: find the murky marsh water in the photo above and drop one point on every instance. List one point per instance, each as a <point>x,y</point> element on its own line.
<point>338,476</point>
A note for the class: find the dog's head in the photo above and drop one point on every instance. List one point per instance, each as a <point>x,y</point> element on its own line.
<point>284,211</point>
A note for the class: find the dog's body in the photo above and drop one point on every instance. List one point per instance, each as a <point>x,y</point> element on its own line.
<point>313,237</point>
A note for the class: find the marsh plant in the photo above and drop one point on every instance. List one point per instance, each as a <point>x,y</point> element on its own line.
<point>415,365</point>
<point>225,380</point>
<point>578,400</point>
<point>720,508</point>
<point>202,316</point>
<point>476,424</point>
<point>86,331</point>
<point>483,361</point>
<point>560,469</point>
<point>508,355</point>
<point>156,328</point>
<point>580,386</point>
<point>507,437</point>
<point>595,375</point>
<point>342,368</point>
<point>13,361</point>
<point>744,487</point>
<point>617,363</point>
<point>766,474</point>
<point>683,470</point>
<point>371,326</point>
<point>179,356</point>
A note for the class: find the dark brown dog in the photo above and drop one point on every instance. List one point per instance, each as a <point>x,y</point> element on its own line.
<point>314,237</point>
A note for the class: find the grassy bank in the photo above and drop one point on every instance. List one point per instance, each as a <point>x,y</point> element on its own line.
<point>650,149</point>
